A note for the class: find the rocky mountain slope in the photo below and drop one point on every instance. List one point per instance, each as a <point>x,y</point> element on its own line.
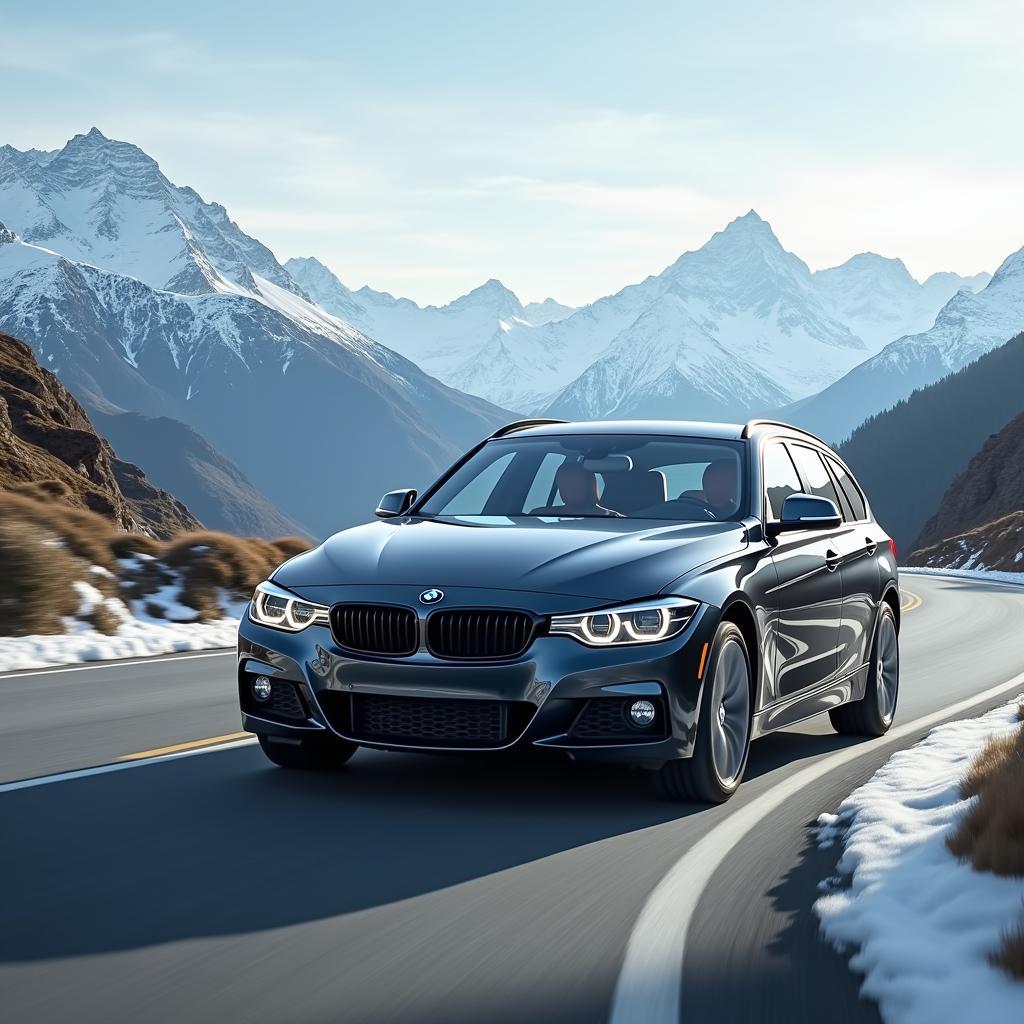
<point>991,487</point>
<point>907,456</point>
<point>50,450</point>
<point>998,546</point>
<point>181,460</point>
<point>146,299</point>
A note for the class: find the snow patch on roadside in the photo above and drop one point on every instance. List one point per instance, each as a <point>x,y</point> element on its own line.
<point>923,923</point>
<point>139,633</point>
<point>995,575</point>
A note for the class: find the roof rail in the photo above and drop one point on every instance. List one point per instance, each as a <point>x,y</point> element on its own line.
<point>511,428</point>
<point>751,424</point>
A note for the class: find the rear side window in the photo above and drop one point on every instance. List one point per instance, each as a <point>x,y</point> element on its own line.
<point>850,489</point>
<point>780,478</point>
<point>814,472</point>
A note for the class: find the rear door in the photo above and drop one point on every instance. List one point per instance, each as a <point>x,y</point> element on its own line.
<point>857,543</point>
<point>809,591</point>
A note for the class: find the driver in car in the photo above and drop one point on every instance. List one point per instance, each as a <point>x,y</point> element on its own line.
<point>577,487</point>
<point>719,483</point>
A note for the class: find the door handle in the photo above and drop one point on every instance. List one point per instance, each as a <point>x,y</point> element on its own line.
<point>832,559</point>
<point>871,546</point>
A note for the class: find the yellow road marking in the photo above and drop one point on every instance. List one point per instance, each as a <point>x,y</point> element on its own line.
<point>190,745</point>
<point>910,601</point>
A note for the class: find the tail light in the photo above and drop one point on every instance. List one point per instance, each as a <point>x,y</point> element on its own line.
<point>892,548</point>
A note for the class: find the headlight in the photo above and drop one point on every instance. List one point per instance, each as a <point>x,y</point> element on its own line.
<point>643,623</point>
<point>273,606</point>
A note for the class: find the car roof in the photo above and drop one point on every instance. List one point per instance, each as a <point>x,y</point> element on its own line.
<point>753,429</point>
<point>672,428</point>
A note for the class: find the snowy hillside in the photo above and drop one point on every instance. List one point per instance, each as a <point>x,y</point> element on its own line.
<point>879,301</point>
<point>146,299</point>
<point>968,325</point>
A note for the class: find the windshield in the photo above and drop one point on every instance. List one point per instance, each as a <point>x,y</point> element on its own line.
<point>591,476</point>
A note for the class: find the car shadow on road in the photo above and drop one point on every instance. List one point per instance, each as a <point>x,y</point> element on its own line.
<point>779,749</point>
<point>800,942</point>
<point>226,844</point>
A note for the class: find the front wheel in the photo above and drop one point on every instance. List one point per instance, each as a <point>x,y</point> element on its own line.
<point>872,715</point>
<point>714,771</point>
<point>311,753</point>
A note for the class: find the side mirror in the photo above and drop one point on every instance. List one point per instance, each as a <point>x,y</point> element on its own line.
<point>395,503</point>
<point>806,512</point>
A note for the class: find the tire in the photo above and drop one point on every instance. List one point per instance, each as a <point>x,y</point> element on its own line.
<point>722,744</point>
<point>313,753</point>
<point>873,714</point>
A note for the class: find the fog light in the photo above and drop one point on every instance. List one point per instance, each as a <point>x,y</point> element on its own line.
<point>261,688</point>
<point>641,712</point>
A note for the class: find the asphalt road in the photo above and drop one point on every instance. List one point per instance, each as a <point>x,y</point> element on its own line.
<point>408,888</point>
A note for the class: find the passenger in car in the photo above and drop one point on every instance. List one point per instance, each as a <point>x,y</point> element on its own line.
<point>577,487</point>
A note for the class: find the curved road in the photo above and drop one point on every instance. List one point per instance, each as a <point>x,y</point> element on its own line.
<point>408,888</point>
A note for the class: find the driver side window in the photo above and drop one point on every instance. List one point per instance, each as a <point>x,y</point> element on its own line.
<point>780,478</point>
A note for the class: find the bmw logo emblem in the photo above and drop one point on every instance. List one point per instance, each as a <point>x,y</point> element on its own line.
<point>431,596</point>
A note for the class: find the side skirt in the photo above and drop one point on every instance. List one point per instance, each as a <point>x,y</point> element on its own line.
<point>801,706</point>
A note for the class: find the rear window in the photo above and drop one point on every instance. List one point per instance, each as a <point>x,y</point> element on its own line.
<point>850,489</point>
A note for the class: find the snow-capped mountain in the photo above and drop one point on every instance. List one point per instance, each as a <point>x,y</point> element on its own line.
<point>967,326</point>
<point>145,298</point>
<point>737,325</point>
<point>666,364</point>
<point>878,299</point>
<point>467,343</point>
<point>107,203</point>
<point>546,312</point>
<point>758,303</point>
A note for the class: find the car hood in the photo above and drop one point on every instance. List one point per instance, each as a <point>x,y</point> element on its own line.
<point>606,559</point>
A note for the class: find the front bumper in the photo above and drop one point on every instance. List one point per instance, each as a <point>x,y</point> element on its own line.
<point>550,698</point>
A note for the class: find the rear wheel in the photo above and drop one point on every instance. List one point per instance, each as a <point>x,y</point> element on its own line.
<point>714,771</point>
<point>311,753</point>
<point>872,715</point>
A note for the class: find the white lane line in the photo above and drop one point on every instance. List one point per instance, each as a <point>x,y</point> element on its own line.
<point>120,766</point>
<point>221,652</point>
<point>649,987</point>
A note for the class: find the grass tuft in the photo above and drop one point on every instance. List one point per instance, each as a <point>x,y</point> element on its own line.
<point>37,583</point>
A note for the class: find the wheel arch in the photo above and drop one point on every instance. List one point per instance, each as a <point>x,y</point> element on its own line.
<point>891,597</point>
<point>738,612</point>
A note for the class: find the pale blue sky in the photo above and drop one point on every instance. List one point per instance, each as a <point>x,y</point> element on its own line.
<point>566,148</point>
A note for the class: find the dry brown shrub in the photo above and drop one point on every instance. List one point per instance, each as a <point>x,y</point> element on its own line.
<point>206,563</point>
<point>37,583</point>
<point>101,618</point>
<point>991,834</point>
<point>85,534</point>
<point>128,545</point>
<point>214,562</point>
